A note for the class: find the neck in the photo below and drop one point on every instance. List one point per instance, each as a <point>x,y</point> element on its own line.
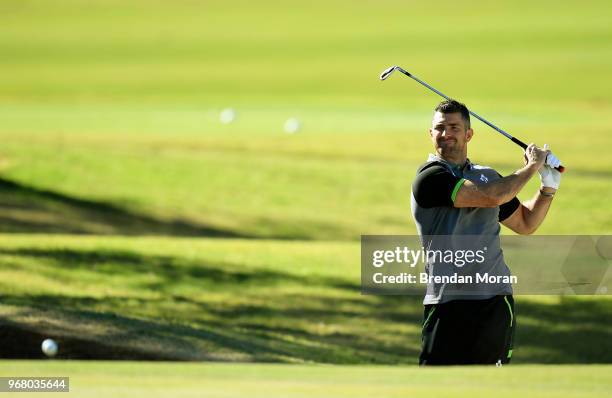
<point>455,159</point>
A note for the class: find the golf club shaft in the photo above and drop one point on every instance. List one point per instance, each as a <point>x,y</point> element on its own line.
<point>485,121</point>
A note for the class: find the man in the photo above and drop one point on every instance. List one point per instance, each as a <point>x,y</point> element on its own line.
<point>453,197</point>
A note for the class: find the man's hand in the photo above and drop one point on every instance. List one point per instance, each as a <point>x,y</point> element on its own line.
<point>549,177</point>
<point>551,160</point>
<point>535,156</point>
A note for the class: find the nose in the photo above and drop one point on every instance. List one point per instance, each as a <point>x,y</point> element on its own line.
<point>447,132</point>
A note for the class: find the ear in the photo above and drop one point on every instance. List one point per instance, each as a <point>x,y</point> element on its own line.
<point>468,135</point>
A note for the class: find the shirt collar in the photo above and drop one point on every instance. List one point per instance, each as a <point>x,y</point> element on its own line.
<point>467,166</point>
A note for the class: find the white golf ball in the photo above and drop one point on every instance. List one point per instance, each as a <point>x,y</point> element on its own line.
<point>49,347</point>
<point>227,116</point>
<point>292,125</point>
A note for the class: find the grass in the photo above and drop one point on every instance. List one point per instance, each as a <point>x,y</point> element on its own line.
<point>129,216</point>
<point>136,108</point>
<point>99,379</point>
<point>251,300</point>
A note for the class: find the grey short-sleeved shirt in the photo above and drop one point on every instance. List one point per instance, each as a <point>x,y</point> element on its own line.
<point>433,194</point>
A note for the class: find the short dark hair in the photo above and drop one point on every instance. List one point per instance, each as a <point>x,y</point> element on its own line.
<point>452,106</point>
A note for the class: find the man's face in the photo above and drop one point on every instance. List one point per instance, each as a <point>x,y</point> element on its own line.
<point>449,135</point>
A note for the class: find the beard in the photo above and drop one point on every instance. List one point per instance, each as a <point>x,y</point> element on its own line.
<point>449,147</point>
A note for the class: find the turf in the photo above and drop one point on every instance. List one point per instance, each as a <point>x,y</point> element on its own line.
<point>240,242</point>
<point>102,379</point>
<point>249,300</point>
<point>129,115</point>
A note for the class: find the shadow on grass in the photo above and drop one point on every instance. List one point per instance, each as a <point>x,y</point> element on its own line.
<point>574,330</point>
<point>24,341</point>
<point>25,209</point>
<point>277,325</point>
<point>168,272</point>
<point>194,310</point>
<point>215,340</point>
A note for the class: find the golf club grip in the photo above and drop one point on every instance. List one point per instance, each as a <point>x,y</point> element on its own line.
<point>520,143</point>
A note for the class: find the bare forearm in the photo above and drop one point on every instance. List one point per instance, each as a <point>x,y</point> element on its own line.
<point>506,188</point>
<point>501,190</point>
<point>535,210</point>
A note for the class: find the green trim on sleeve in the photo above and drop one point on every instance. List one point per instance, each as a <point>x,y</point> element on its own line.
<point>456,189</point>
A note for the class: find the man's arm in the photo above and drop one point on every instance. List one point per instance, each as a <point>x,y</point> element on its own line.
<point>494,193</point>
<point>528,217</point>
<point>503,190</point>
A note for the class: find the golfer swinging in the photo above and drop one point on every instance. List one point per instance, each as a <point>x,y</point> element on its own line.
<point>452,196</point>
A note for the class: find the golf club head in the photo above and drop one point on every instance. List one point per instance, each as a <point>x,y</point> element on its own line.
<point>387,72</point>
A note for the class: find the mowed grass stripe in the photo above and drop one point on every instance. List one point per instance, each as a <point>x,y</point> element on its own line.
<point>97,379</point>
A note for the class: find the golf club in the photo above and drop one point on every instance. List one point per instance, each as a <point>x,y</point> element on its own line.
<point>387,72</point>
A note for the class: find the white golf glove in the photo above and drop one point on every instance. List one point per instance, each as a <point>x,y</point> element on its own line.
<point>551,160</point>
<point>549,177</point>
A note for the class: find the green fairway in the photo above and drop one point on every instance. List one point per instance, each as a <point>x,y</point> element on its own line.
<point>103,379</point>
<point>249,300</point>
<point>134,223</point>
<point>129,116</point>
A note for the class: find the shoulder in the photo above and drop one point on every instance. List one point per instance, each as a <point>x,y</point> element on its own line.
<point>432,173</point>
<point>480,167</point>
<point>431,167</point>
<point>482,173</point>
<point>483,169</point>
<point>434,185</point>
